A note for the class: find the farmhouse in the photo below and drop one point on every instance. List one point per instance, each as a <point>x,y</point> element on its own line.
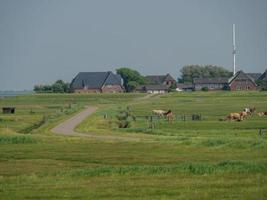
<point>153,89</point>
<point>157,84</point>
<point>97,82</point>
<point>242,81</point>
<point>167,80</point>
<point>210,83</point>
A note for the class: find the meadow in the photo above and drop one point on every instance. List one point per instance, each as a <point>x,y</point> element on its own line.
<point>207,159</point>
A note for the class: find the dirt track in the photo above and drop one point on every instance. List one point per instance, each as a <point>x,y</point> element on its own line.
<point>67,128</point>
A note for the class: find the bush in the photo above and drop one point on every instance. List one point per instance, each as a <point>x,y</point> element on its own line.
<point>262,85</point>
<point>4,139</point>
<point>124,118</point>
<point>205,89</point>
<point>226,88</point>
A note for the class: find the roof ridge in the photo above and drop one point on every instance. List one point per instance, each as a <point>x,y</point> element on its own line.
<point>108,74</point>
<point>237,74</point>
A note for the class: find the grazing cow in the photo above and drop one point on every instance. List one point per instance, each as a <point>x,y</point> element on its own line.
<point>246,110</point>
<point>260,114</point>
<point>249,110</point>
<point>159,113</point>
<point>243,114</point>
<point>234,116</point>
<point>169,115</point>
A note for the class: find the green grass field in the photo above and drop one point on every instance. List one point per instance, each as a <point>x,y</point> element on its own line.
<point>207,159</point>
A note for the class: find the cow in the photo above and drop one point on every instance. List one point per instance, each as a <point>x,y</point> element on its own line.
<point>249,111</point>
<point>159,113</point>
<point>234,116</point>
<point>243,114</point>
<point>169,115</point>
<point>262,113</point>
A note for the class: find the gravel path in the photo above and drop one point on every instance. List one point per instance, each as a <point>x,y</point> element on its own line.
<point>67,128</point>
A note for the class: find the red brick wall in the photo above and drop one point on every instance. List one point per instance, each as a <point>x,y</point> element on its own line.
<point>87,91</point>
<point>242,85</point>
<point>112,89</point>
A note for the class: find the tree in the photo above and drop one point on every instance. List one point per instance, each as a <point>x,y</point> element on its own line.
<point>172,87</point>
<point>190,72</point>
<point>131,78</point>
<point>132,85</point>
<point>63,85</point>
<point>262,85</point>
<point>58,87</point>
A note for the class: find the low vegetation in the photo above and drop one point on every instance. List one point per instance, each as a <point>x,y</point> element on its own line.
<point>183,159</point>
<point>58,87</point>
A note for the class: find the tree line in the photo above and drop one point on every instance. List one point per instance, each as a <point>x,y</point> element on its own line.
<point>58,87</point>
<point>189,72</point>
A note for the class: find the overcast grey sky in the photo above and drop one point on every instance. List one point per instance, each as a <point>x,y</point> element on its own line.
<point>45,40</point>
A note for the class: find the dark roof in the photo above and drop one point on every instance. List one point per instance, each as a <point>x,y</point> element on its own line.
<point>240,75</point>
<point>94,80</point>
<point>263,77</point>
<point>210,80</point>
<point>159,79</point>
<point>156,79</point>
<point>169,78</point>
<point>152,87</point>
<point>255,76</point>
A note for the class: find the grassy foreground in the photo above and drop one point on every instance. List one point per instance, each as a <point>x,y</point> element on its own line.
<point>208,159</point>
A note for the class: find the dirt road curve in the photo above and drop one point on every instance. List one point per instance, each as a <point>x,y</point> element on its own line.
<point>67,128</point>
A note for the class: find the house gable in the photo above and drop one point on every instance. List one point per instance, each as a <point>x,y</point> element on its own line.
<point>242,81</point>
<point>161,79</point>
<point>95,81</point>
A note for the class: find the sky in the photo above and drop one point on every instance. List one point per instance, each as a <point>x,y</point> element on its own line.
<point>42,41</point>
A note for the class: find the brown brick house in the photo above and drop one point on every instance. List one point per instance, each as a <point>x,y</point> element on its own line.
<point>242,81</point>
<point>167,80</point>
<point>97,82</point>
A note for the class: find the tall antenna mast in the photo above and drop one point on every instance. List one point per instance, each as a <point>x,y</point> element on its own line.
<point>234,49</point>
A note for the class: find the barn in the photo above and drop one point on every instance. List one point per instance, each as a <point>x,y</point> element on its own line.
<point>97,82</point>
<point>210,83</point>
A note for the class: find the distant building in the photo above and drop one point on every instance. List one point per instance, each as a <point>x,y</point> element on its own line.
<point>254,76</point>
<point>185,86</point>
<point>167,80</point>
<point>152,89</point>
<point>210,83</point>
<point>242,81</point>
<point>97,82</point>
